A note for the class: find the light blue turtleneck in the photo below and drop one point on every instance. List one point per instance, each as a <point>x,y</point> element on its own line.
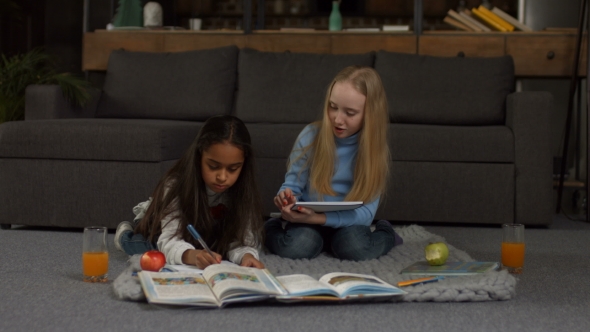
<point>297,179</point>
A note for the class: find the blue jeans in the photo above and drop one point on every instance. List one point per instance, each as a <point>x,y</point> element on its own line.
<point>134,244</point>
<point>354,243</point>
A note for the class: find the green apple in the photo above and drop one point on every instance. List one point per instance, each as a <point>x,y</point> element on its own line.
<point>436,253</point>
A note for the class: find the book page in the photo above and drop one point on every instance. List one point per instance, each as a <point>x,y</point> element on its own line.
<point>188,268</point>
<point>177,288</point>
<point>304,285</point>
<point>232,281</point>
<point>348,284</point>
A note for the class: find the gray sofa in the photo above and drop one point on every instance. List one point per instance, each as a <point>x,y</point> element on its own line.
<point>465,147</point>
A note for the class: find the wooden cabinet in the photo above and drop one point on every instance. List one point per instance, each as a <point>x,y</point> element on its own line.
<point>193,40</point>
<point>353,43</point>
<point>97,47</point>
<point>538,54</point>
<point>296,42</point>
<point>545,54</point>
<point>471,45</point>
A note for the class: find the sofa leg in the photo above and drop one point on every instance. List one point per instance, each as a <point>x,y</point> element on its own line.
<point>5,226</point>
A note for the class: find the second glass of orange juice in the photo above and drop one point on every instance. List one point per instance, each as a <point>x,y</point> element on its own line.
<point>513,247</point>
<point>95,256</point>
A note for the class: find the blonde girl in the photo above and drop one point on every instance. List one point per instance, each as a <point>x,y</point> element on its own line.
<point>343,157</point>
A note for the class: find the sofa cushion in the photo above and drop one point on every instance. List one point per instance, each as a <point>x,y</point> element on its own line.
<point>178,86</point>
<point>97,139</point>
<point>435,143</point>
<point>274,140</point>
<point>287,87</point>
<point>445,90</point>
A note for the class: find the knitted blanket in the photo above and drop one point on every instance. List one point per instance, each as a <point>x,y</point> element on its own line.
<point>490,286</point>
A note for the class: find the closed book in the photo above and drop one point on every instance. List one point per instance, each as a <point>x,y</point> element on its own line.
<point>517,24</point>
<point>450,268</point>
<point>396,28</point>
<point>491,23</point>
<point>461,19</point>
<point>453,22</point>
<point>509,27</point>
<point>466,13</point>
<point>362,29</point>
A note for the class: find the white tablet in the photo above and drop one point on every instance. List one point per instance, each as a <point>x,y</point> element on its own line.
<point>328,206</point>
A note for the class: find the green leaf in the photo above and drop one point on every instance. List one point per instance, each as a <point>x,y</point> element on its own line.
<point>34,67</point>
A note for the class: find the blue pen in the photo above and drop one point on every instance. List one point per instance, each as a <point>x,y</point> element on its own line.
<point>198,237</point>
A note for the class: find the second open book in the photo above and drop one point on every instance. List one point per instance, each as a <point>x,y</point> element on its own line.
<point>222,284</point>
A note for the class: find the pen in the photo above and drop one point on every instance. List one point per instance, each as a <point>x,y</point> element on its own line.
<point>198,237</point>
<point>413,282</point>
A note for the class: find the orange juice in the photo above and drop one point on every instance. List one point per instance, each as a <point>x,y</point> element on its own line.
<point>513,254</point>
<point>95,264</point>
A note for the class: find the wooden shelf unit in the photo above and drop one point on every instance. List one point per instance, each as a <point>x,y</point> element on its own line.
<point>535,54</point>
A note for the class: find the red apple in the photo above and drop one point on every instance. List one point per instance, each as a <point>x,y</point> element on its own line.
<point>152,260</point>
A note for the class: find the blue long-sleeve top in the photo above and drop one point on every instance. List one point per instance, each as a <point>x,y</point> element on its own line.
<point>297,179</point>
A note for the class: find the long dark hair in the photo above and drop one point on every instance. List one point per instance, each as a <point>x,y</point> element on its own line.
<point>183,189</point>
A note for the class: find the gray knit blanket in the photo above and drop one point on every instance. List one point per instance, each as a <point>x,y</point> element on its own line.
<point>490,286</point>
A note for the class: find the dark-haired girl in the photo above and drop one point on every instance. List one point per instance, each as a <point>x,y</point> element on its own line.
<point>212,187</point>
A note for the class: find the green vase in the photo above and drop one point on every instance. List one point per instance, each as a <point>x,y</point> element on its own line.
<point>335,17</point>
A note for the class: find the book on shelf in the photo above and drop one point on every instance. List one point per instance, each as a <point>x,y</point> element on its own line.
<point>450,268</point>
<point>392,28</point>
<point>297,29</point>
<point>509,27</point>
<point>221,284</point>
<point>486,20</point>
<point>456,16</point>
<point>453,22</point>
<point>466,13</point>
<point>517,24</point>
<point>362,30</point>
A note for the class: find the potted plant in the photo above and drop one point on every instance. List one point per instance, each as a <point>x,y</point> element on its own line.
<point>33,67</point>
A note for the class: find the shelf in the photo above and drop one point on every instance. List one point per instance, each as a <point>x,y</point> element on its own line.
<point>570,184</point>
<point>535,54</point>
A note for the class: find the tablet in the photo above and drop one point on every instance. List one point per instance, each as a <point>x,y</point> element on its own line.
<point>328,206</point>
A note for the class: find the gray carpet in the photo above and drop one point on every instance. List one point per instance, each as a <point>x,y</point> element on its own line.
<point>41,290</point>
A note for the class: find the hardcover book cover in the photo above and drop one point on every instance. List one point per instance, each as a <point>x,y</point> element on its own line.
<point>450,268</point>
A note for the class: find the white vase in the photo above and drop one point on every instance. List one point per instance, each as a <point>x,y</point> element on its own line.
<point>152,14</point>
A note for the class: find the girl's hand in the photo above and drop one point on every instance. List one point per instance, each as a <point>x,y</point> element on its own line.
<point>284,198</point>
<point>249,261</point>
<point>200,258</point>
<point>302,215</point>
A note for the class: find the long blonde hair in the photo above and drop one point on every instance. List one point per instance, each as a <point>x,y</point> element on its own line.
<point>371,170</point>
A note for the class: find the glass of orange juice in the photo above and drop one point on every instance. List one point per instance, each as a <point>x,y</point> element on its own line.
<point>513,247</point>
<point>95,256</point>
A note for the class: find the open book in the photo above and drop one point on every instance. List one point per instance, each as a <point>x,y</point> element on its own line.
<point>222,284</point>
<point>218,285</point>
<point>336,286</point>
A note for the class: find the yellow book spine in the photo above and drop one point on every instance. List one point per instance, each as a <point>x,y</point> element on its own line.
<point>496,18</point>
<point>492,24</point>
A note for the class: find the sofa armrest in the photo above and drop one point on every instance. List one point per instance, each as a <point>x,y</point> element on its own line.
<point>48,102</point>
<point>528,114</point>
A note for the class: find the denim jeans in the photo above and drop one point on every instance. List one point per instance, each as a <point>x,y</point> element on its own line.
<point>355,243</point>
<point>134,244</point>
